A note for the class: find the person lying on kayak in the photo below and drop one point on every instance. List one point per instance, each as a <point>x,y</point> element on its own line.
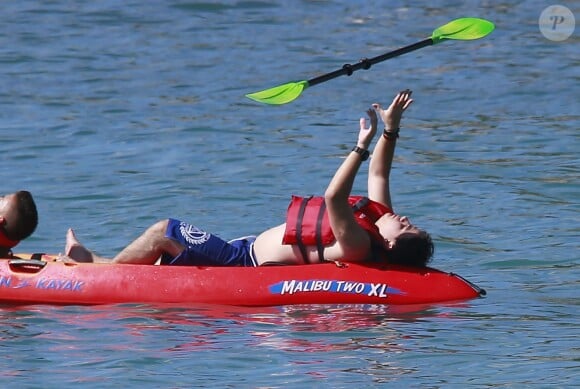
<point>18,220</point>
<point>336,227</point>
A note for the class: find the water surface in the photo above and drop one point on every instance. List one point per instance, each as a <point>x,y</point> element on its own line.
<point>117,114</point>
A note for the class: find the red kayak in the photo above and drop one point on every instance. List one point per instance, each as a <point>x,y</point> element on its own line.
<point>44,281</point>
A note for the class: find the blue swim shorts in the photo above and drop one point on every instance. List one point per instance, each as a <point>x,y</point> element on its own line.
<point>205,249</point>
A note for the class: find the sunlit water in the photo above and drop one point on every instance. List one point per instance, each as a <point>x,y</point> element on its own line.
<point>117,114</point>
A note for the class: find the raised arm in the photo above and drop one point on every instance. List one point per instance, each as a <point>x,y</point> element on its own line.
<point>380,166</point>
<point>353,240</point>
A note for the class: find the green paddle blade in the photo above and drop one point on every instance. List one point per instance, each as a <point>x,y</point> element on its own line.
<point>464,29</point>
<point>280,94</point>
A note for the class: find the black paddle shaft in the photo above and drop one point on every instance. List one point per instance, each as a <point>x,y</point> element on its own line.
<point>366,63</point>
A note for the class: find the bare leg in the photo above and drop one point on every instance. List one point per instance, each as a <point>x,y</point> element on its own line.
<point>75,250</point>
<point>147,248</point>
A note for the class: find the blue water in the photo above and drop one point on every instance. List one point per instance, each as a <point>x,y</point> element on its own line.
<point>117,114</point>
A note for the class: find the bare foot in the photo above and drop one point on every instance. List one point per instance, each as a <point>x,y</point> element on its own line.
<point>75,250</point>
<point>63,258</point>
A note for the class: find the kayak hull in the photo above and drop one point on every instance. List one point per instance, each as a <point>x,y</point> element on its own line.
<point>49,282</point>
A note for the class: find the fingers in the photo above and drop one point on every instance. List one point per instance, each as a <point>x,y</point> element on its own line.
<point>403,96</point>
<point>402,100</point>
<point>363,123</point>
<point>378,109</point>
<point>392,115</point>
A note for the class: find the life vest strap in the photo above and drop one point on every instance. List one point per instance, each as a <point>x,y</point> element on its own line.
<point>360,204</point>
<point>299,220</point>
<point>319,244</point>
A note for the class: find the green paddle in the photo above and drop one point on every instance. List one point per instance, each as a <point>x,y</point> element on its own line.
<point>463,29</point>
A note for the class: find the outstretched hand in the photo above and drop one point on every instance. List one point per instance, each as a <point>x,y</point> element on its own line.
<point>391,117</point>
<point>366,134</point>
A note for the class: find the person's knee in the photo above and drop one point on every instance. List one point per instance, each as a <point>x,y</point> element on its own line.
<point>158,229</point>
<point>157,237</point>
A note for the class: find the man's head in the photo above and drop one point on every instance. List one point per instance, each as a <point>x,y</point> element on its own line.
<point>18,218</point>
<point>408,245</point>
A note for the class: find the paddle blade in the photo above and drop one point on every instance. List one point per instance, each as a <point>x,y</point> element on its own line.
<point>464,29</point>
<point>280,94</point>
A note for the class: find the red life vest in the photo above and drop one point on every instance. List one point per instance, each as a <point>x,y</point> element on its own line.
<point>307,222</point>
<point>7,242</point>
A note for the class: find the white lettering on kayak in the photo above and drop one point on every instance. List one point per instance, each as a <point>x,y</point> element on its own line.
<point>294,286</point>
<point>380,290</point>
<point>376,292</point>
<point>353,287</point>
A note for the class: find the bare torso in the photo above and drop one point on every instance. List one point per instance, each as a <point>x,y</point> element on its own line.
<point>268,247</point>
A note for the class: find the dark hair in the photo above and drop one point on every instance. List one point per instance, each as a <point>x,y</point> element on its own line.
<point>412,249</point>
<point>27,220</point>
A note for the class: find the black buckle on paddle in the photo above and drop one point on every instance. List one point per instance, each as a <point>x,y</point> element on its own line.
<point>348,68</point>
<point>366,63</point>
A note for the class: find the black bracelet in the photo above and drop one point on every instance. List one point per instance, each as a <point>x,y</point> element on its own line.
<point>391,134</point>
<point>364,154</point>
